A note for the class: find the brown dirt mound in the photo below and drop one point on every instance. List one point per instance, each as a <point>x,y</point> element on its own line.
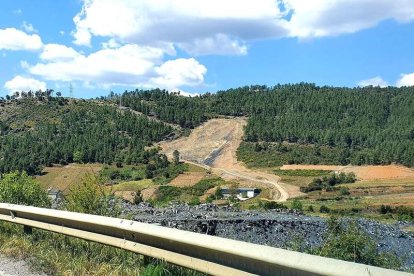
<point>362,172</point>
<point>187,179</point>
<point>380,172</point>
<point>213,146</point>
<point>312,167</point>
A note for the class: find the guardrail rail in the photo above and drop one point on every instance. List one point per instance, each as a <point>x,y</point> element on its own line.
<point>208,254</point>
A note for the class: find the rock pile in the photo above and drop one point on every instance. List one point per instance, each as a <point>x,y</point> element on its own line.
<point>278,228</point>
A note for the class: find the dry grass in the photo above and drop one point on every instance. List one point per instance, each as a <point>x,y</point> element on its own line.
<point>135,186</point>
<point>187,179</point>
<point>63,177</point>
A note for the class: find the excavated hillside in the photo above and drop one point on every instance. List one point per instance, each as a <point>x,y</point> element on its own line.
<point>213,145</point>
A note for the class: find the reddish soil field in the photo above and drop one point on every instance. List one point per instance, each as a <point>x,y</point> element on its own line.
<point>187,179</point>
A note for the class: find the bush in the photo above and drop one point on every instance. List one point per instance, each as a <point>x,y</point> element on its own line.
<point>327,182</point>
<point>168,193</point>
<point>324,209</point>
<point>385,209</point>
<point>350,243</point>
<point>344,191</point>
<point>194,201</point>
<point>91,197</point>
<point>297,205</point>
<point>22,189</point>
<point>268,205</point>
<point>310,208</point>
<point>205,184</point>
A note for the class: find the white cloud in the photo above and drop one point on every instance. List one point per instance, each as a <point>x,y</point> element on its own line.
<point>203,26</point>
<point>28,27</point>
<point>20,83</point>
<point>183,93</point>
<point>375,81</point>
<point>406,80</point>
<point>320,18</point>
<point>179,72</point>
<point>13,39</point>
<point>58,52</point>
<point>111,44</point>
<point>24,64</point>
<point>129,65</point>
<point>219,45</point>
<point>224,27</point>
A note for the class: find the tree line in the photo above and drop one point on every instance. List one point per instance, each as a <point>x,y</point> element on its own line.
<point>84,132</point>
<point>369,125</point>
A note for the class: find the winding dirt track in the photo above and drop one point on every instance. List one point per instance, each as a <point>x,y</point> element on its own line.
<point>213,146</point>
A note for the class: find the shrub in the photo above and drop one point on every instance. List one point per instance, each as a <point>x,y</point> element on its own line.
<point>194,201</point>
<point>344,191</point>
<point>327,182</point>
<point>90,197</point>
<point>22,189</point>
<point>324,209</point>
<point>297,205</point>
<point>384,209</point>
<point>310,208</point>
<point>205,184</point>
<point>271,205</point>
<point>350,243</point>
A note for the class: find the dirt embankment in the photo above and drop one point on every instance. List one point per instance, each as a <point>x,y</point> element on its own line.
<point>213,145</point>
<point>362,172</point>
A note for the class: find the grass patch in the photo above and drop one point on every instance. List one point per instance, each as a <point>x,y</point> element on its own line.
<point>308,173</point>
<point>135,186</point>
<point>265,155</point>
<point>56,254</point>
<point>166,194</point>
<point>63,178</point>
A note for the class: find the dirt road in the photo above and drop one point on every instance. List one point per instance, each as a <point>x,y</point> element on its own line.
<point>213,146</point>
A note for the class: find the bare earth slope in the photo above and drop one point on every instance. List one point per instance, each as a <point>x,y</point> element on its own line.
<point>213,145</point>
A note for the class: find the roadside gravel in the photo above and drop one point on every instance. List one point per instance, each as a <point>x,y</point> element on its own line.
<point>12,267</point>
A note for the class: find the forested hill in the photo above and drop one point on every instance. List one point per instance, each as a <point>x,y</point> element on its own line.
<point>300,123</point>
<point>41,133</point>
<point>369,125</point>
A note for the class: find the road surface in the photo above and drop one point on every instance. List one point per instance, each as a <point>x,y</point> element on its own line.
<point>12,267</point>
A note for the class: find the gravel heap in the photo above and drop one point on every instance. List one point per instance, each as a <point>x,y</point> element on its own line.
<point>277,228</point>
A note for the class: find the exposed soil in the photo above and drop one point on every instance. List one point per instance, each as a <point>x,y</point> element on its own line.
<point>362,172</point>
<point>312,167</point>
<point>187,179</point>
<point>148,193</point>
<point>213,146</point>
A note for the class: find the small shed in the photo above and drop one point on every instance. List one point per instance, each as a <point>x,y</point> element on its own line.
<point>240,192</point>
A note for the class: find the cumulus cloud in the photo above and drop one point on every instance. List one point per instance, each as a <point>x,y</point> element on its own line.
<point>375,81</point>
<point>13,39</point>
<point>58,52</point>
<point>406,80</point>
<point>20,83</point>
<point>201,27</point>
<point>320,18</point>
<point>129,65</point>
<point>28,27</point>
<point>179,72</point>
<point>223,27</point>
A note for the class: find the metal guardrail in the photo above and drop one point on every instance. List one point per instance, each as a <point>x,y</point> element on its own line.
<point>208,254</point>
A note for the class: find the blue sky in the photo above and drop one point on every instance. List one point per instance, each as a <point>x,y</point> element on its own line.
<point>203,45</point>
